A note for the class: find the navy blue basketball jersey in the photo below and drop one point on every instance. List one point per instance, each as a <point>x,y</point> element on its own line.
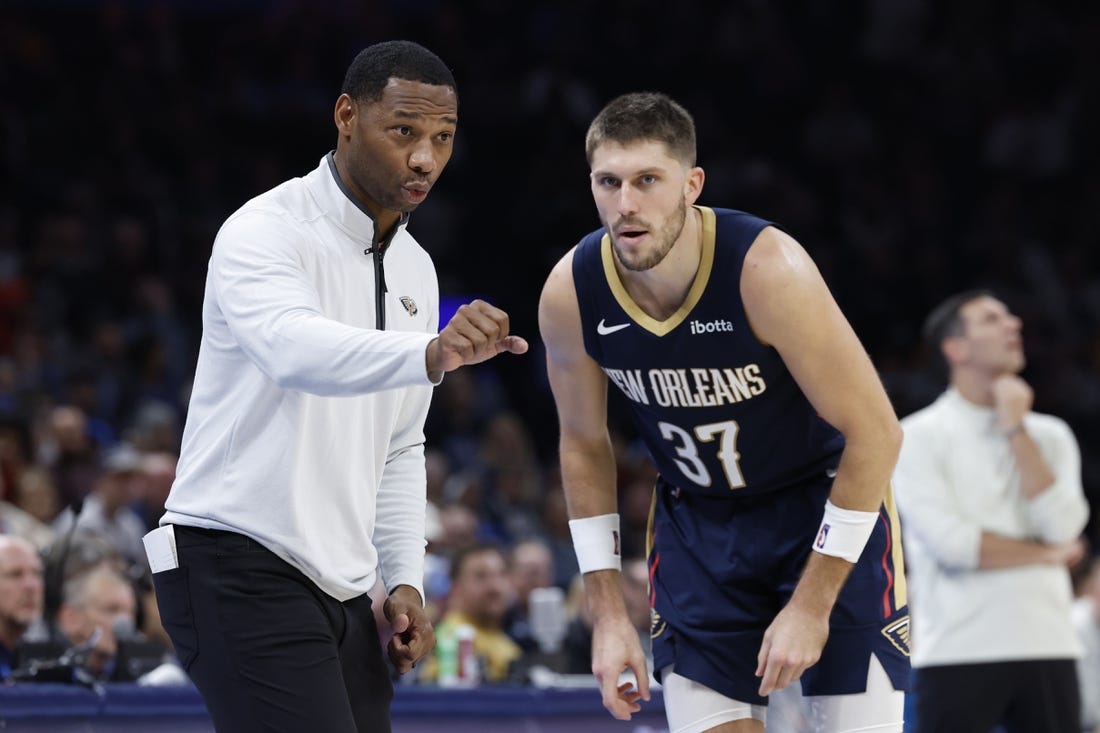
<point>717,409</point>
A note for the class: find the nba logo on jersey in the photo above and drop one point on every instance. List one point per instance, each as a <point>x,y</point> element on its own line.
<point>820,543</point>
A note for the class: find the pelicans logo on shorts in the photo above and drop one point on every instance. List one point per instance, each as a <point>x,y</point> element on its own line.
<point>410,305</point>
<point>897,631</point>
<point>656,625</point>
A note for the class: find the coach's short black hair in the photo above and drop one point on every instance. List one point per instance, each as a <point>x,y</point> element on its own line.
<point>375,65</point>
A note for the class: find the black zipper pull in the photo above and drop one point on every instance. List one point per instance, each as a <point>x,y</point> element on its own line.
<point>380,288</point>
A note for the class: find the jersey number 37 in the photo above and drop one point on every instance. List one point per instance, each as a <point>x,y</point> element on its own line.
<point>687,448</point>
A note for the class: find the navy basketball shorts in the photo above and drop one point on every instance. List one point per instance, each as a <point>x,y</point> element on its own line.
<point>721,569</point>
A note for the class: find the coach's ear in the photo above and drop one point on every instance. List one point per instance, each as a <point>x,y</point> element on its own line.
<point>344,115</point>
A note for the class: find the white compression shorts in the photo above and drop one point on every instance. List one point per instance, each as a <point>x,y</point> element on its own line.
<point>692,708</point>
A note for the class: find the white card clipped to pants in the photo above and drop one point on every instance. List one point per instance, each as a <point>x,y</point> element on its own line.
<point>160,548</point>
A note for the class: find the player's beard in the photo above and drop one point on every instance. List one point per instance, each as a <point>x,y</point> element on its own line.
<point>663,239</point>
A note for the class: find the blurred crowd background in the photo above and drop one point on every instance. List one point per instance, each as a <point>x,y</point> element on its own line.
<point>915,147</point>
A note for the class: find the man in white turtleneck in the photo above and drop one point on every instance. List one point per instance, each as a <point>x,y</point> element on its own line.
<point>1086,618</point>
<point>992,508</point>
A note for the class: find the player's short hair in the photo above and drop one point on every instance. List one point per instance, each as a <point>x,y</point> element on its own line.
<point>375,65</point>
<point>644,116</point>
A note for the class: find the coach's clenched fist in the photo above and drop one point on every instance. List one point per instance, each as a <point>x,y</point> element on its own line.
<point>478,331</point>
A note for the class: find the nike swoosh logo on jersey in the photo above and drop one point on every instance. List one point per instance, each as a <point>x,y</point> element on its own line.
<point>604,329</point>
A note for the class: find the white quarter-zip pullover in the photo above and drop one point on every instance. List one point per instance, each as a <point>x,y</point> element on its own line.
<point>305,428</point>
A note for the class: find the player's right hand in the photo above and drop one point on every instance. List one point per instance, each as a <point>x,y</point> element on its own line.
<point>616,649</point>
<point>477,332</point>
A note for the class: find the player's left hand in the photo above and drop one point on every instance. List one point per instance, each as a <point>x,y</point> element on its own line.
<point>413,634</point>
<point>792,643</point>
<point>615,650</point>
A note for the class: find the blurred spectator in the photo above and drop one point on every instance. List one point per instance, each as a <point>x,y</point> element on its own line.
<point>555,525</point>
<point>20,597</point>
<point>67,448</point>
<point>458,528</point>
<point>81,391</point>
<point>530,566</point>
<point>465,488</point>
<point>1086,617</point>
<point>15,448</point>
<point>156,474</point>
<point>577,646</point>
<point>76,550</point>
<point>438,469</point>
<point>155,428</point>
<point>18,523</point>
<point>96,607</point>
<point>511,478</point>
<point>479,597</point>
<point>454,527</point>
<point>107,510</point>
<point>36,494</point>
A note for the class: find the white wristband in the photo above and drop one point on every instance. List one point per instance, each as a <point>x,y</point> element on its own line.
<point>844,532</point>
<point>596,542</point>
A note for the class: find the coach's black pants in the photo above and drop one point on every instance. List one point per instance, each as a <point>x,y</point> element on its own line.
<point>268,650</point>
<point>1034,696</point>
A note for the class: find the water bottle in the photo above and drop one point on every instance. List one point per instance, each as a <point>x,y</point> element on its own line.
<point>469,667</point>
<point>446,651</point>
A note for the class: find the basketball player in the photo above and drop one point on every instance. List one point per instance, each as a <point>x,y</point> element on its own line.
<point>774,552</point>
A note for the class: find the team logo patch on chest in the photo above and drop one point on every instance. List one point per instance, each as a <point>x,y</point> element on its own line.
<point>410,305</point>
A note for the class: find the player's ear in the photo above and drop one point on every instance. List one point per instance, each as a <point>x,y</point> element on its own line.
<point>693,185</point>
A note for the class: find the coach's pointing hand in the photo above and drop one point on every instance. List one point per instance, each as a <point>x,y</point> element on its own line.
<point>478,331</point>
